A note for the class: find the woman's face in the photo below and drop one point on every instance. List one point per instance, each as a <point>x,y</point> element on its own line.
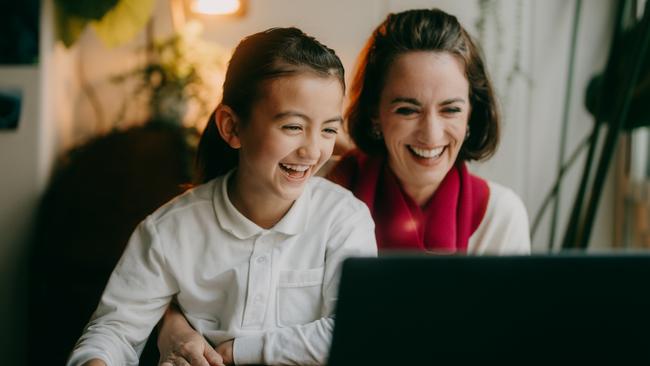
<point>423,113</point>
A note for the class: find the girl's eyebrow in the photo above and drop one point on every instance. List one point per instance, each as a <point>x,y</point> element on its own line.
<point>334,120</point>
<point>282,115</point>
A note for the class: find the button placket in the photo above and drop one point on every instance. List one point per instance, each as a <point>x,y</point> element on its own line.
<point>259,277</point>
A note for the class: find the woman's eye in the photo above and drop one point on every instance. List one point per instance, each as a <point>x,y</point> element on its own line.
<point>405,111</point>
<point>452,110</point>
<point>331,131</point>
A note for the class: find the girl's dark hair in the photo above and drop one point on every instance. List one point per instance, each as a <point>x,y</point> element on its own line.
<point>422,30</point>
<point>262,56</point>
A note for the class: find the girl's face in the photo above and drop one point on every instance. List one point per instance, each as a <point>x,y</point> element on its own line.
<point>423,113</point>
<point>290,134</point>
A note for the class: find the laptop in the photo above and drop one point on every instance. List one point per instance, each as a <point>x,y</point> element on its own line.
<point>555,309</point>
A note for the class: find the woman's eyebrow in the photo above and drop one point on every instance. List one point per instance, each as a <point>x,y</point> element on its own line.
<point>452,101</point>
<point>406,100</point>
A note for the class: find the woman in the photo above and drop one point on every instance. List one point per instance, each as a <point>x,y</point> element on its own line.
<point>421,107</point>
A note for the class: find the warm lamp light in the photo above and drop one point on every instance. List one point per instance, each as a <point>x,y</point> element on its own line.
<point>216,7</point>
<point>182,8</point>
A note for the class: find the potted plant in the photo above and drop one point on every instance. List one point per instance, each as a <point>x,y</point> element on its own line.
<point>115,21</point>
<point>182,71</point>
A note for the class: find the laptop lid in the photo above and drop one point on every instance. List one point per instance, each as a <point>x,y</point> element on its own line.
<point>460,310</point>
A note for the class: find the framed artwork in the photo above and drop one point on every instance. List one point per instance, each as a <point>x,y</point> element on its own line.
<point>19,25</point>
<point>10,103</point>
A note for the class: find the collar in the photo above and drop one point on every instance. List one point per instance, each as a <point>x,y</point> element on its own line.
<point>233,221</point>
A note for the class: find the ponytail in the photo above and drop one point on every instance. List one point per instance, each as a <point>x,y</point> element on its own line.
<point>214,156</point>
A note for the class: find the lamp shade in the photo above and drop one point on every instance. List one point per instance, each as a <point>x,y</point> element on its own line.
<point>605,91</point>
<point>217,7</point>
<point>639,113</point>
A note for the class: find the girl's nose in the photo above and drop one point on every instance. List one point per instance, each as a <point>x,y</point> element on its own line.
<point>309,149</point>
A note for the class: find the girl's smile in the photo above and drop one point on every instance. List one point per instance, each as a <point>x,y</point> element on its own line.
<point>296,172</point>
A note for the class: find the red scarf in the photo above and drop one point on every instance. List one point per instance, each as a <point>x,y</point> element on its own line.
<point>444,225</point>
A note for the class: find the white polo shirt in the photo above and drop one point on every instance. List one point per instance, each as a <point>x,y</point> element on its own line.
<point>272,290</point>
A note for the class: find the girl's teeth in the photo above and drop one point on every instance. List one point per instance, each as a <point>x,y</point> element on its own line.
<point>295,167</point>
<point>426,153</point>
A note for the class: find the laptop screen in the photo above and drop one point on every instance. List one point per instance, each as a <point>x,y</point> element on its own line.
<point>452,309</point>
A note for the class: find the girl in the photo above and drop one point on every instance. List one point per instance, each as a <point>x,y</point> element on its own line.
<point>251,256</point>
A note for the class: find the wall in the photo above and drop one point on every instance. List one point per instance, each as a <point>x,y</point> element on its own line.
<point>26,159</point>
<point>550,65</point>
<point>18,197</point>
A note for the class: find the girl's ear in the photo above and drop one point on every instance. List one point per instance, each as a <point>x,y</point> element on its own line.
<point>228,124</point>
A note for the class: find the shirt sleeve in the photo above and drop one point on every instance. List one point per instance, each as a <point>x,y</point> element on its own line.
<point>135,298</point>
<point>504,229</point>
<point>308,344</point>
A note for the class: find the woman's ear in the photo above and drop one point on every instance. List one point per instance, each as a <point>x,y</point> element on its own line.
<point>375,128</point>
<point>374,118</point>
<point>228,124</point>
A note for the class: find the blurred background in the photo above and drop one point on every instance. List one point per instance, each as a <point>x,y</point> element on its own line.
<point>101,104</point>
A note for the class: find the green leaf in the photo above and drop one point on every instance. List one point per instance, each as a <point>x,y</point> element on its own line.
<point>68,26</point>
<point>92,10</point>
<point>124,21</point>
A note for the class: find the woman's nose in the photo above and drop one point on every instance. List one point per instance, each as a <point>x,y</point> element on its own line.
<point>431,128</point>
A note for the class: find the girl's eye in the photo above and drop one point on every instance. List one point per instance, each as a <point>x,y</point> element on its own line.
<point>405,111</point>
<point>331,131</point>
<point>292,127</point>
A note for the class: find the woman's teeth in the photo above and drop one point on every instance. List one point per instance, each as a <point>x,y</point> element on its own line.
<point>427,153</point>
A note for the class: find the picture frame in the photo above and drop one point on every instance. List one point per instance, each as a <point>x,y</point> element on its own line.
<point>10,108</point>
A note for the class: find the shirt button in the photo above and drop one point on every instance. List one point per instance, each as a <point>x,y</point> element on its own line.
<point>258,298</point>
<point>261,260</point>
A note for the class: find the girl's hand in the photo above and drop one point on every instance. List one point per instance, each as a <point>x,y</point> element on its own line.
<point>225,350</point>
<point>180,345</point>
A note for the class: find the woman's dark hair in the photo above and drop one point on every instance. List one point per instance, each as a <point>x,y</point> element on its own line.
<point>422,30</point>
<point>262,56</point>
